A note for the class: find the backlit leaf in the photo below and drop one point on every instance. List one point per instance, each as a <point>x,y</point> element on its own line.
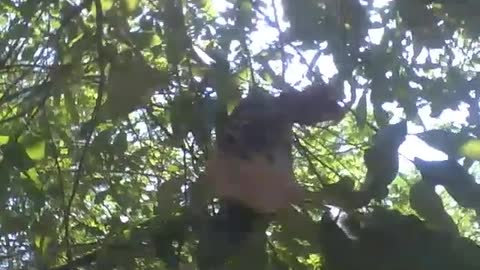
<point>17,156</point>
<point>120,143</point>
<point>37,150</point>
<point>361,111</point>
<point>456,180</point>
<point>107,4</point>
<point>382,159</point>
<point>446,141</point>
<point>130,85</point>
<point>4,139</point>
<point>130,5</point>
<point>33,176</point>
<point>471,149</point>
<point>426,202</point>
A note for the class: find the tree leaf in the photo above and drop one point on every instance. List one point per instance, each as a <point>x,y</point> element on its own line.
<point>426,202</point>
<point>101,142</point>
<point>37,150</point>
<point>205,111</point>
<point>107,4</point>
<point>4,139</point>
<point>12,222</point>
<point>342,195</point>
<point>17,156</point>
<point>145,39</point>
<point>304,20</point>
<point>71,106</point>
<point>120,143</point>
<point>471,149</point>
<point>167,195</point>
<point>380,115</point>
<point>5,181</point>
<point>456,180</point>
<point>446,141</point>
<point>181,116</point>
<point>335,244</point>
<point>245,14</point>
<point>361,111</point>
<point>131,82</point>
<point>225,85</point>
<point>33,190</point>
<point>175,31</point>
<point>33,176</point>
<point>381,159</point>
<point>100,197</point>
<point>128,6</point>
<point>316,103</point>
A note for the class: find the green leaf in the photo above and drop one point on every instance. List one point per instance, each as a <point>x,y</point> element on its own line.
<point>100,197</point>
<point>11,222</point>
<point>71,106</point>
<point>380,115</point>
<point>471,149</point>
<point>175,32</point>
<point>208,7</point>
<point>361,111</point>
<point>129,5</point>
<point>34,177</point>
<point>17,156</point>
<point>277,264</point>
<point>391,136</point>
<point>204,119</point>
<point>456,180</point>
<point>245,14</point>
<point>167,195</point>
<point>381,159</point>
<point>20,31</point>
<point>5,181</point>
<point>426,202</point>
<point>305,20</point>
<point>406,98</point>
<point>36,151</point>
<point>33,192</point>
<point>334,240</point>
<point>4,139</point>
<point>446,141</point>
<point>120,144</point>
<point>41,243</point>
<point>130,85</point>
<point>145,39</point>
<point>107,4</point>
<point>164,234</point>
<point>101,143</point>
<point>27,9</point>
<point>226,85</point>
<point>181,115</point>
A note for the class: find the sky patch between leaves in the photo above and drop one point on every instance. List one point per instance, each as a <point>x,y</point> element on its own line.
<point>295,75</point>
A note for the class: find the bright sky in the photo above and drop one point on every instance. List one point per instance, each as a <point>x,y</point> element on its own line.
<point>412,147</point>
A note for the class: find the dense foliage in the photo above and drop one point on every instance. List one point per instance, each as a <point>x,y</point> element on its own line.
<point>110,109</point>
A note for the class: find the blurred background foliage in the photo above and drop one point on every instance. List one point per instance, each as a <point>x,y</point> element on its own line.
<point>109,110</point>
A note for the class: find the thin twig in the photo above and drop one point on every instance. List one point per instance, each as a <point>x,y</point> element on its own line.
<point>56,157</point>
<point>307,157</point>
<point>280,39</point>
<point>248,55</point>
<point>310,146</point>
<point>98,102</point>
<point>306,150</point>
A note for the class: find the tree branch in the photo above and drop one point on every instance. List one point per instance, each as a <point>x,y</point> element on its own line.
<point>94,119</point>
